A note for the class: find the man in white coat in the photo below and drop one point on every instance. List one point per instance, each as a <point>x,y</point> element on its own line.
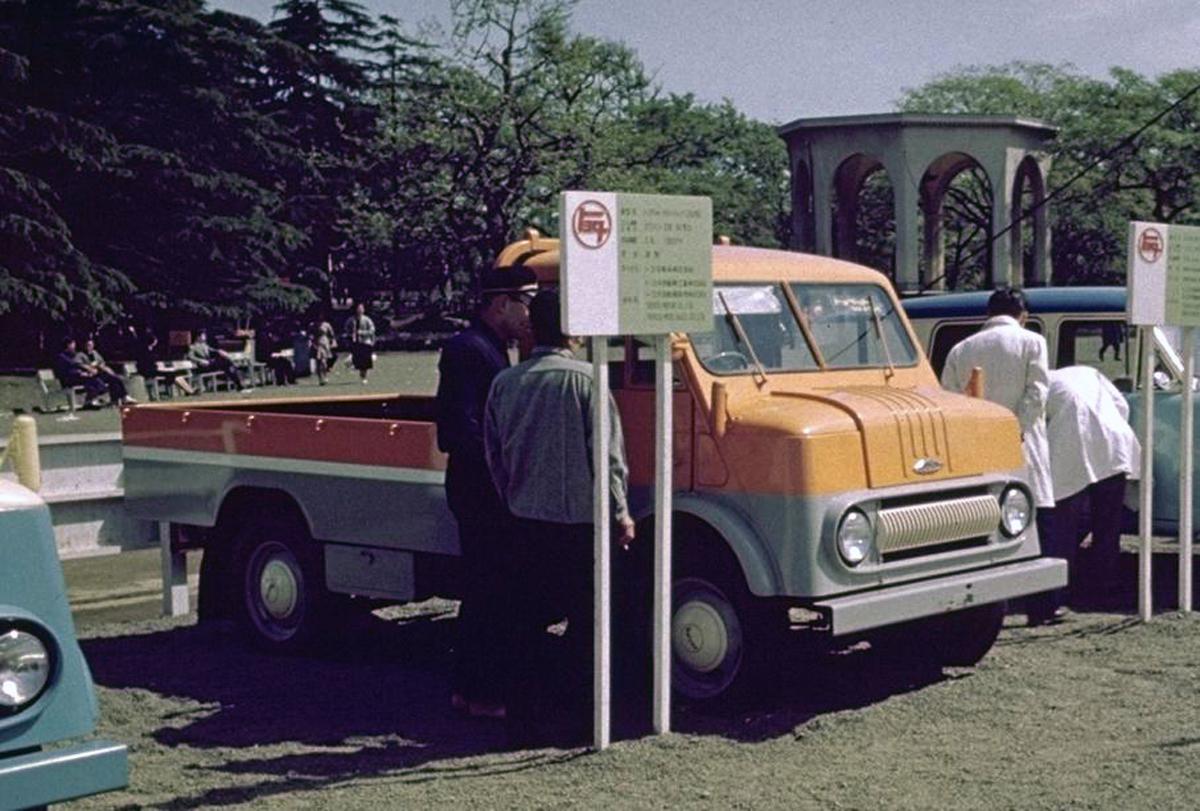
<point>1093,450</point>
<point>1016,376</point>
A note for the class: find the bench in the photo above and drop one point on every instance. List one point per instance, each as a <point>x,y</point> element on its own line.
<point>55,396</point>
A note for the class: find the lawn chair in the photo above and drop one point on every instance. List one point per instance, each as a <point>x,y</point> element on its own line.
<point>55,396</point>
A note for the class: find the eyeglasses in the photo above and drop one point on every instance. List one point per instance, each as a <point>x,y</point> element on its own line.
<point>522,298</point>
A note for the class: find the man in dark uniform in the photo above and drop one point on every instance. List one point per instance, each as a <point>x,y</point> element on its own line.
<point>469,363</point>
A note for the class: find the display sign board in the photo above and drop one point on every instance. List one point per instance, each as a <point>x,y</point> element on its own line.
<point>1164,274</point>
<point>635,264</point>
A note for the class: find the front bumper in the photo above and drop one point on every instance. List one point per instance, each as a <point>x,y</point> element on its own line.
<point>55,775</point>
<point>875,609</point>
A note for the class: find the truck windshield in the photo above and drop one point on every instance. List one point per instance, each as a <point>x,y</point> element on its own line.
<point>842,319</point>
<point>839,320</point>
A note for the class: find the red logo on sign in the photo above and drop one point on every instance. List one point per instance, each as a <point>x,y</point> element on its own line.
<point>1150,245</point>
<point>592,224</point>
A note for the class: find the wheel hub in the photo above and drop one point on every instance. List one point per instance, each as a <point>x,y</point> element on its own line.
<point>278,589</point>
<point>699,636</point>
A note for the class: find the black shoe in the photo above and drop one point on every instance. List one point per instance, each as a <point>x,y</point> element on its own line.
<point>1042,617</point>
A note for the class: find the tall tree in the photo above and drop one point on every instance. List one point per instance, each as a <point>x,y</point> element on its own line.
<point>315,88</point>
<point>136,124</point>
<point>1153,178</point>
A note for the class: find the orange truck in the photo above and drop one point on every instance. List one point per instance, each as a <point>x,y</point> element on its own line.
<point>822,478</point>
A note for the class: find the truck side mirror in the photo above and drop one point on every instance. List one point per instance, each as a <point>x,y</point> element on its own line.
<point>720,409</point>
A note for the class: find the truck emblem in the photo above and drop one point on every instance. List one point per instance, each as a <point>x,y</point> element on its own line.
<point>926,465</point>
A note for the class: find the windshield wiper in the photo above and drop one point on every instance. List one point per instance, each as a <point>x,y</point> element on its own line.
<point>890,371</point>
<point>744,338</point>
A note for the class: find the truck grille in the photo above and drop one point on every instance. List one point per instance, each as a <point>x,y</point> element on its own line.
<point>913,526</point>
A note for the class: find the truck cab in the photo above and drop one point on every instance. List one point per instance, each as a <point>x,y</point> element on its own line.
<point>47,700</point>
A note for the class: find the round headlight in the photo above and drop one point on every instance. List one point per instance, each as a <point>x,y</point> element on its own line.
<point>854,537</point>
<point>25,665</point>
<point>1016,511</point>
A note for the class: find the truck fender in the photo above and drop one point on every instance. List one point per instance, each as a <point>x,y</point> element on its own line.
<point>758,568</point>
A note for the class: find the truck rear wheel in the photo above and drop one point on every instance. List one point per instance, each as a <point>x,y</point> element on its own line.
<point>282,599</point>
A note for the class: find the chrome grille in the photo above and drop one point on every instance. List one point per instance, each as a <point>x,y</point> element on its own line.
<point>938,522</point>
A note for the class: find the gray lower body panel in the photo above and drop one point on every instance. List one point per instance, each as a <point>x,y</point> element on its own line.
<point>56,775</point>
<point>927,598</point>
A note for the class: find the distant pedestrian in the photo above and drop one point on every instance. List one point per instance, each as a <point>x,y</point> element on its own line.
<point>1093,450</point>
<point>324,342</point>
<point>361,330</point>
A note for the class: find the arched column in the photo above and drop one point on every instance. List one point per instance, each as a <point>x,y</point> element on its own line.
<point>1005,272</point>
<point>934,249</point>
<point>907,201</point>
<point>804,237</point>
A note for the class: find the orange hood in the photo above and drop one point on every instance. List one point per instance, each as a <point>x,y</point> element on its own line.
<point>907,435</point>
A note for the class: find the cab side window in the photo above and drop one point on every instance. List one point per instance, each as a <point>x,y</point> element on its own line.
<point>945,336</point>
<point>1103,345</point>
<point>944,339</point>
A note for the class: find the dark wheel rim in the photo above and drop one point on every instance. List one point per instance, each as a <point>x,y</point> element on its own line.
<point>274,591</point>
<point>707,642</point>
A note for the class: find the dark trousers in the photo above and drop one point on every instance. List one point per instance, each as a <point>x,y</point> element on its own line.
<point>1042,606</point>
<point>219,363</point>
<point>552,680</point>
<point>95,385</point>
<point>1095,509</point>
<point>484,650</point>
<point>114,384</point>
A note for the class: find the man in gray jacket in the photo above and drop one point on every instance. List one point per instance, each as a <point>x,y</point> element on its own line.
<point>538,440</point>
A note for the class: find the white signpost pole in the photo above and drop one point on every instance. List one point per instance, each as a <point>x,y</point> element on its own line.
<point>663,462</point>
<point>1146,495</point>
<point>1164,288</point>
<point>634,265</point>
<point>602,574</point>
<point>1186,463</point>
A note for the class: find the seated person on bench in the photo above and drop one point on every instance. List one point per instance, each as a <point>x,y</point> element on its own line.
<point>208,359</point>
<point>91,359</point>
<point>71,372</point>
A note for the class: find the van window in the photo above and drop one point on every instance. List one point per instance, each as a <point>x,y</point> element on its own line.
<point>1103,345</point>
<point>946,336</point>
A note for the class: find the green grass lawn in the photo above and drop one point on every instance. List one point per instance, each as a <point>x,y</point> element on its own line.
<point>409,372</point>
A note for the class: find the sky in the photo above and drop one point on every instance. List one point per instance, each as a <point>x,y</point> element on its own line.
<point>779,60</point>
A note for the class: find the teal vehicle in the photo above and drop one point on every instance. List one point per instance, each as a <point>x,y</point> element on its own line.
<point>1085,326</point>
<point>47,700</point>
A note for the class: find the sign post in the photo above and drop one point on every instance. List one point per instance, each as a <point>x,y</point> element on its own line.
<point>634,264</point>
<point>1164,288</point>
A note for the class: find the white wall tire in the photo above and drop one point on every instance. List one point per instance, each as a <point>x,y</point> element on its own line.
<point>708,640</point>
<point>280,588</point>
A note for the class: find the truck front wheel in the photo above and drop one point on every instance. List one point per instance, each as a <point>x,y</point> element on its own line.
<point>958,639</point>
<point>708,641</point>
<point>281,584</point>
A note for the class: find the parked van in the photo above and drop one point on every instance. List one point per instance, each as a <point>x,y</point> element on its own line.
<point>47,700</point>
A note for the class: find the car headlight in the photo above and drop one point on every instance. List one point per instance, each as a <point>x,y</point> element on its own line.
<point>854,537</point>
<point>1016,511</point>
<point>25,667</point>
